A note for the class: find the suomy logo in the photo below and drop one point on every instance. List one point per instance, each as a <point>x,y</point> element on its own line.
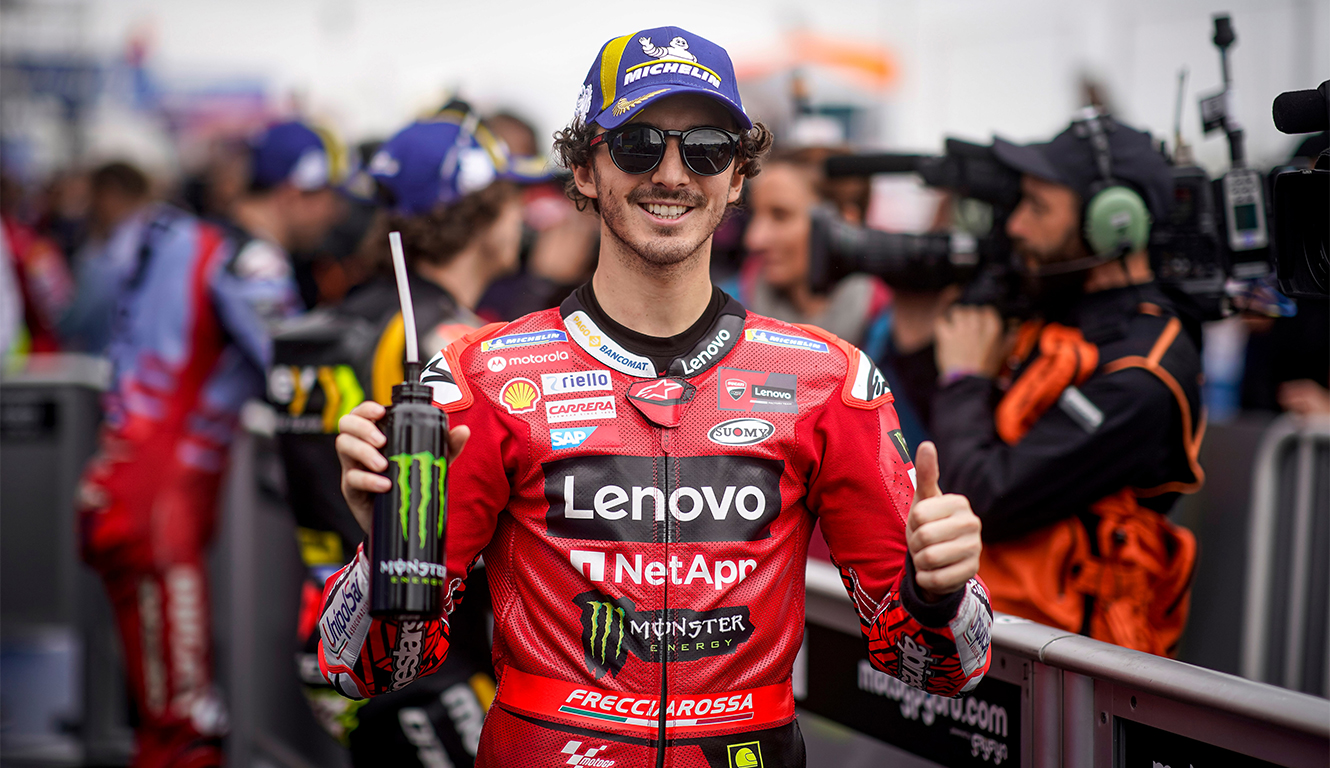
<point>741,432</point>
<point>621,498</point>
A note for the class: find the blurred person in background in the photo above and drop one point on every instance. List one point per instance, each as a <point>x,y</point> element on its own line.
<point>64,209</point>
<point>558,240</point>
<point>1287,365</point>
<point>41,272</point>
<point>449,186</point>
<point>1098,417</point>
<point>774,281</point>
<point>118,211</point>
<point>189,346</point>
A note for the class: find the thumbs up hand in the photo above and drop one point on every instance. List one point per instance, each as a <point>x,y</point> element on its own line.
<point>942,532</point>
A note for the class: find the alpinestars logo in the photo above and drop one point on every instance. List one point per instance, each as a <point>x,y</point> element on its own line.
<point>425,474</point>
<point>588,759</point>
<point>406,656</point>
<point>612,629</point>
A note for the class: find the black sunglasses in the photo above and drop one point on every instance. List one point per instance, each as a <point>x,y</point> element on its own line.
<point>637,148</point>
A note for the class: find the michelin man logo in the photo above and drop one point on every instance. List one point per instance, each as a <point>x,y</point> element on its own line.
<point>583,107</point>
<point>678,49</point>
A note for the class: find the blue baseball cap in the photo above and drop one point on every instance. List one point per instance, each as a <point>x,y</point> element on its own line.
<point>296,154</point>
<point>444,158</point>
<point>632,71</point>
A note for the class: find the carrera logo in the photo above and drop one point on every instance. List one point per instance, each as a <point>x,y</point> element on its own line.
<point>741,432</point>
<point>613,629</point>
<point>579,409</point>
<point>519,396</point>
<point>523,340</point>
<point>622,498</point>
<point>575,381</point>
<point>757,391</point>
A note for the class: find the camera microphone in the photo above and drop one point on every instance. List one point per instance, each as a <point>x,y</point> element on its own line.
<point>1303,111</point>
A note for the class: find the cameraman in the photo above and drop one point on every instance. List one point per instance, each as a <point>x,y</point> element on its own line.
<point>1075,438</point>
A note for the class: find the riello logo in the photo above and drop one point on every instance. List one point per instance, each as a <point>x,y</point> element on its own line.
<point>420,479</point>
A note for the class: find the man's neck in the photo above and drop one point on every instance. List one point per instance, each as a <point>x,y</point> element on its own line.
<point>259,218</point>
<point>1133,269</point>
<point>654,301</point>
<point>463,276</point>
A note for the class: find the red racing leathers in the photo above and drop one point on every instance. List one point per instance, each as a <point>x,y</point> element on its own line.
<point>645,539</point>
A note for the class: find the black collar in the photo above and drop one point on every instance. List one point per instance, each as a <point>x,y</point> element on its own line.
<point>686,354</point>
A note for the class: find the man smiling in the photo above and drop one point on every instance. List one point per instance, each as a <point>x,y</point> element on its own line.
<point>644,466</point>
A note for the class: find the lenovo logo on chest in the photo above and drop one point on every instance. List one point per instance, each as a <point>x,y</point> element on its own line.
<point>627,498</point>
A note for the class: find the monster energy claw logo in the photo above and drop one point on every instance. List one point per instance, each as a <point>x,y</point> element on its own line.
<point>431,487</point>
<point>613,629</point>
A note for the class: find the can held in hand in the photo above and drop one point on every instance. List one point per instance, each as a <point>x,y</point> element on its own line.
<point>406,545</point>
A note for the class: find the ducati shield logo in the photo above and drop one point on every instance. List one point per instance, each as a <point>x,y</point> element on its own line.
<point>736,388</point>
<point>519,396</point>
<point>758,391</point>
<point>741,432</point>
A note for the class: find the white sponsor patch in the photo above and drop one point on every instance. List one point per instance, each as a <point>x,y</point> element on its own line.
<point>1075,404</point>
<point>440,379</point>
<point>261,260</point>
<point>785,340</point>
<point>741,432</point>
<point>568,382</point>
<point>869,383</point>
<point>971,628</point>
<point>579,409</point>
<point>345,620</point>
<point>600,346</point>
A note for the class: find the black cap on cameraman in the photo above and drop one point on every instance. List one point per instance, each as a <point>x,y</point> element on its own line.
<point>1069,160</point>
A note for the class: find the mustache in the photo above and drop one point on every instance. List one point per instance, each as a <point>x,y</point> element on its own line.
<point>674,196</point>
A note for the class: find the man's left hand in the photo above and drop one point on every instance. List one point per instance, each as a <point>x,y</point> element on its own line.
<point>942,532</point>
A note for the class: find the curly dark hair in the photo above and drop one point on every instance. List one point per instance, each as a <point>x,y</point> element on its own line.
<point>572,148</point>
<point>438,236</point>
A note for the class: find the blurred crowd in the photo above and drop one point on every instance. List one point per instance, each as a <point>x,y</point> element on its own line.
<point>281,238</point>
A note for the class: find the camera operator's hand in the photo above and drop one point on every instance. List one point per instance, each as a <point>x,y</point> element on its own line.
<point>942,532</point>
<point>970,342</point>
<point>358,451</point>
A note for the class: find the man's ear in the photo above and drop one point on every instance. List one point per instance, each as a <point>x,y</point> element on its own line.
<point>736,187</point>
<point>585,179</point>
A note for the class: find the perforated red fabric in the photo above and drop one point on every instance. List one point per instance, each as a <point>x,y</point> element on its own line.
<point>619,549</point>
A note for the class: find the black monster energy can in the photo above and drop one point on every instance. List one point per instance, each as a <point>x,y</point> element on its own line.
<point>406,545</point>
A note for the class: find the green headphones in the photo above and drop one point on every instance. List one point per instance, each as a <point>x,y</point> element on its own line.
<point>1115,220</point>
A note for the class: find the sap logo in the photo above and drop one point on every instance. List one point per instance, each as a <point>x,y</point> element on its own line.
<point>523,340</point>
<point>569,438</point>
<point>575,381</point>
<point>623,498</point>
<point>741,432</point>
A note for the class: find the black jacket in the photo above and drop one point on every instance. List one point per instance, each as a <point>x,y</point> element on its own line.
<point>1064,464</point>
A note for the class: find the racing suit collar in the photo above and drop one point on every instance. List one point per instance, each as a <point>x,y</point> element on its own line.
<point>645,356</point>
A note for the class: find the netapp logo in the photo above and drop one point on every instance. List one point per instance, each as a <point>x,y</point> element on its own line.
<point>621,498</point>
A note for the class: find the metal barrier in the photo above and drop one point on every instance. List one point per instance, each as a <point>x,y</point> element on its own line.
<point>1285,637</point>
<point>64,692</point>
<point>1052,698</point>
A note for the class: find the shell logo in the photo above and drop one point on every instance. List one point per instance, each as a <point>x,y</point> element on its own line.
<point>520,396</point>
